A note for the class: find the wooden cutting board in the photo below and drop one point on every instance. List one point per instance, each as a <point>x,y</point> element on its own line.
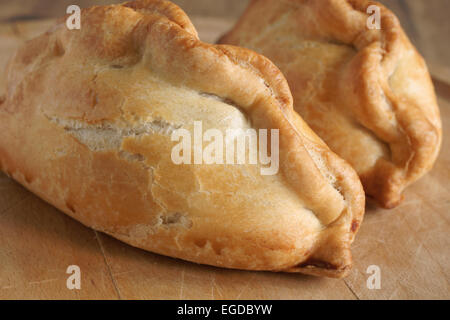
<point>409,244</point>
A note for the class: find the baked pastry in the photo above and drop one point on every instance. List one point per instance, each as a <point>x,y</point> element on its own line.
<point>88,123</point>
<point>366,92</point>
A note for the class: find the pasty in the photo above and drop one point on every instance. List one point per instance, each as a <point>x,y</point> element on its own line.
<point>365,91</point>
<point>88,124</point>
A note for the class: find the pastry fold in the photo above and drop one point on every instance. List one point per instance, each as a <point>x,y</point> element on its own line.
<point>366,92</point>
<point>87,125</point>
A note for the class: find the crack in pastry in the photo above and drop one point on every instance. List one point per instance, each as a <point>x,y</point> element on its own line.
<point>366,93</point>
<point>108,136</point>
<point>80,132</point>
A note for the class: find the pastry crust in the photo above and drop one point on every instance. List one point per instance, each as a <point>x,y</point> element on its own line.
<point>87,124</point>
<point>366,93</point>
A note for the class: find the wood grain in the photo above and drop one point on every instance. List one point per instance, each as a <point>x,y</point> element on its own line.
<point>37,243</point>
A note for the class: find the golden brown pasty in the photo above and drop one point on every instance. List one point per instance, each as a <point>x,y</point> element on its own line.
<point>366,92</point>
<point>88,125</point>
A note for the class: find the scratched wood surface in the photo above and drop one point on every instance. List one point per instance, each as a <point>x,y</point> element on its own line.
<point>37,242</point>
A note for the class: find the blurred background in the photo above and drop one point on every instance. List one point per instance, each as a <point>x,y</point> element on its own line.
<point>427,22</point>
